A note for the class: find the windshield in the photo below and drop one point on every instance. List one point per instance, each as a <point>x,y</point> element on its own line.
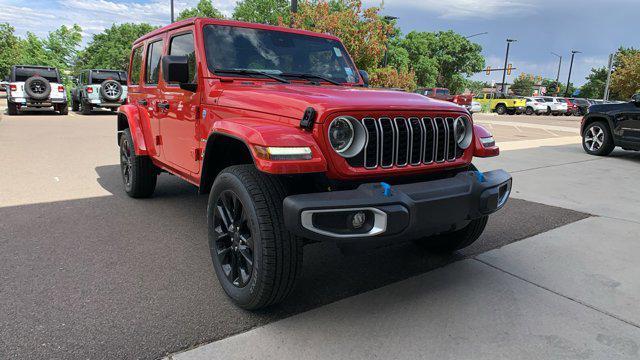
<point>98,76</point>
<point>276,52</point>
<point>23,73</point>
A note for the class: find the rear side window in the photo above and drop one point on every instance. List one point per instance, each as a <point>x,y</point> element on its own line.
<point>182,45</point>
<point>154,53</point>
<point>136,66</point>
<point>442,92</point>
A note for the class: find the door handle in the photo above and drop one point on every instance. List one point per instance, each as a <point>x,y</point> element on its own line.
<point>142,102</point>
<point>163,105</point>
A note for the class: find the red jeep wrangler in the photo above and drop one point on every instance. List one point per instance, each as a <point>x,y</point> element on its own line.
<point>279,127</point>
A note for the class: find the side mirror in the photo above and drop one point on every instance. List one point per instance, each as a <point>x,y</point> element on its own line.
<point>365,77</point>
<point>636,99</point>
<point>175,70</point>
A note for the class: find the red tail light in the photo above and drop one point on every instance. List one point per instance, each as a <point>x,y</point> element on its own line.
<point>13,87</point>
<point>60,88</point>
<point>89,90</point>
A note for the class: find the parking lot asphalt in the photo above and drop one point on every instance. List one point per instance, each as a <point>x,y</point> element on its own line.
<point>89,273</point>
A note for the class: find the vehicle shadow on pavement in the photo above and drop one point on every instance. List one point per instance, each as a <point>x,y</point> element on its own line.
<point>116,277</point>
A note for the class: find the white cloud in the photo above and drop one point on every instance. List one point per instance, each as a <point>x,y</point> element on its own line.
<point>463,9</point>
<point>93,16</point>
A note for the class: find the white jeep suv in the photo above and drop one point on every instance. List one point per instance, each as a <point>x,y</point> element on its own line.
<point>36,87</point>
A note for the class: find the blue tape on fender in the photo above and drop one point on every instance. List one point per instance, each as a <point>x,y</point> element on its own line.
<point>480,176</point>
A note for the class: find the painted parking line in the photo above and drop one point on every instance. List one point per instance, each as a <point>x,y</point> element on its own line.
<point>529,125</point>
<point>534,143</point>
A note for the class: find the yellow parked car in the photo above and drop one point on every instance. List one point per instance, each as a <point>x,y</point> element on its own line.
<point>501,103</point>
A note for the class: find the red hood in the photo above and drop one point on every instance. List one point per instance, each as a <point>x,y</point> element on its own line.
<point>291,100</point>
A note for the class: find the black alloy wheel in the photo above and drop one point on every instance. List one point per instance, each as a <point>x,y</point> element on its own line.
<point>233,244</point>
<point>126,162</point>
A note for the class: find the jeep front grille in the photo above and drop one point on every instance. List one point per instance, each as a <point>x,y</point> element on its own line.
<point>408,141</point>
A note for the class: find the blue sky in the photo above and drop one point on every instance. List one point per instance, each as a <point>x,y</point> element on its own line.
<point>596,28</point>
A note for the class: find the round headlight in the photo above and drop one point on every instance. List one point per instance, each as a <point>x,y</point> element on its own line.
<point>347,136</point>
<point>463,132</point>
<point>341,134</point>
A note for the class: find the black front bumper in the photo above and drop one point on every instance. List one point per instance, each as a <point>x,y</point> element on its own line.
<point>410,211</point>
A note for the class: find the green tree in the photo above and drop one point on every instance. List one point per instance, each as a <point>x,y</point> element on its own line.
<point>204,8</point>
<point>9,49</point>
<point>596,82</point>
<point>625,81</point>
<point>263,11</point>
<point>110,49</point>
<point>450,55</point>
<point>62,45</point>
<point>32,51</point>
<point>523,85</point>
<point>475,86</point>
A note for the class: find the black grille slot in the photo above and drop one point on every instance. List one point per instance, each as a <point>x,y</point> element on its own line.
<point>441,139</point>
<point>417,140</point>
<point>402,147</point>
<point>372,147</point>
<point>429,143</point>
<point>387,136</point>
<point>451,144</point>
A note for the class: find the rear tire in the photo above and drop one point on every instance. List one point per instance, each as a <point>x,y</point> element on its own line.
<point>501,109</point>
<point>85,107</point>
<point>257,231</point>
<point>529,110</point>
<point>74,105</point>
<point>63,109</point>
<point>455,240</point>
<point>12,108</point>
<point>139,175</point>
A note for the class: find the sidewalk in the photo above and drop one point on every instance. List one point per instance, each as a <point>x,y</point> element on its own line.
<point>572,292</point>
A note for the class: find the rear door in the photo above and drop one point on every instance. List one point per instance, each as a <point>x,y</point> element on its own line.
<point>181,108</point>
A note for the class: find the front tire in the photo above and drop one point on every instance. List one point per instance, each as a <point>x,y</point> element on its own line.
<point>455,240</point>
<point>256,260</point>
<point>597,140</point>
<point>501,109</point>
<point>529,110</point>
<point>74,105</point>
<point>139,175</point>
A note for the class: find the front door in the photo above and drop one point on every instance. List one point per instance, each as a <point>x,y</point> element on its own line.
<point>149,97</point>
<point>181,109</point>
<point>629,120</point>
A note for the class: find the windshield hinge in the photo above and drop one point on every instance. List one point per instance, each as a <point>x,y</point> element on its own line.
<point>308,119</point>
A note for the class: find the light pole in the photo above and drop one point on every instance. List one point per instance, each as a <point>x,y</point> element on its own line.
<point>506,60</point>
<point>387,18</point>
<point>559,65</point>
<point>172,18</point>
<point>573,53</point>
<point>478,34</point>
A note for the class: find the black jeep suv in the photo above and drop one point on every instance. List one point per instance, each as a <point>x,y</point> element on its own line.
<point>606,126</point>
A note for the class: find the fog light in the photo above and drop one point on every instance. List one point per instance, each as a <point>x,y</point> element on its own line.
<point>358,219</point>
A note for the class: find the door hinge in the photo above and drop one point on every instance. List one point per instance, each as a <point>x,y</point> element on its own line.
<point>158,140</point>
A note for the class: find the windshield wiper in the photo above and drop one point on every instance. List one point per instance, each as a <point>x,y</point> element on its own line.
<point>312,76</point>
<point>252,72</point>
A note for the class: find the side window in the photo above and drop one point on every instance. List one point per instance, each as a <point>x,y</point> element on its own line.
<point>182,45</point>
<point>152,72</point>
<point>136,66</point>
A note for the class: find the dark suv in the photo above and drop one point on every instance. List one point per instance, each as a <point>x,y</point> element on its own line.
<point>609,125</point>
<point>99,89</point>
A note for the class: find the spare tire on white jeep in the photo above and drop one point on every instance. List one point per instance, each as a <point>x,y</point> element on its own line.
<point>37,88</point>
<point>111,90</point>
